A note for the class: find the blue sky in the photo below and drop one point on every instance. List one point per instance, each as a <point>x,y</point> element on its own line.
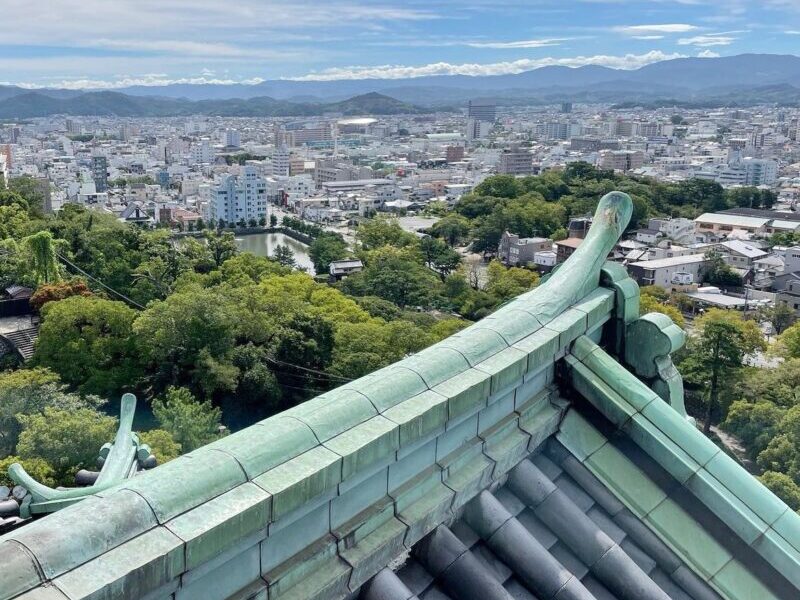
<point>113,43</point>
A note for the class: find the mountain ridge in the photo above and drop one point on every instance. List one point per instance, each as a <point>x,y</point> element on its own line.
<point>107,103</point>
<point>721,81</point>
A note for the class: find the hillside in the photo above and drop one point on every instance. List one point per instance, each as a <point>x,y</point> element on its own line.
<point>40,104</point>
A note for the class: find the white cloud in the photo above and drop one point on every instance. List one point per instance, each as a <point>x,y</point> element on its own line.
<point>72,22</point>
<point>519,44</point>
<point>792,32</point>
<point>648,37</point>
<point>655,29</point>
<point>189,48</point>
<point>627,61</point>
<point>155,79</point>
<point>704,41</point>
<point>708,54</point>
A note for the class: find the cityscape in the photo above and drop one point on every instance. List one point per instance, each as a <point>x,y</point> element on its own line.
<point>408,329</point>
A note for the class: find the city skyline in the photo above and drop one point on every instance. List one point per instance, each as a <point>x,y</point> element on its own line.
<point>98,45</point>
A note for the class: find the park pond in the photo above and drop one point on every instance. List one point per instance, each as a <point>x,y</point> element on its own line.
<point>264,244</point>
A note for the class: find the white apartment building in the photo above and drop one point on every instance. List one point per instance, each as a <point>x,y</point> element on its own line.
<point>232,138</point>
<point>281,161</point>
<point>745,171</point>
<point>201,152</point>
<point>3,167</point>
<point>478,130</point>
<point>239,197</point>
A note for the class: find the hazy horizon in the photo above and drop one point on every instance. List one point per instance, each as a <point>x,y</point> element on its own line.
<point>81,44</point>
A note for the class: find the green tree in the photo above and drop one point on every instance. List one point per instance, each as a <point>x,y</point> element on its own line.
<point>789,342</point>
<point>506,283</point>
<point>37,468</point>
<point>779,385</point>
<point>246,268</point>
<point>11,198</point>
<point>717,272</point>
<point>14,225</point>
<point>447,327</point>
<point>648,304</point>
<point>325,249</point>
<point>221,246</point>
<point>273,220</point>
<point>781,455</point>
<point>395,275</point>
<point>258,387</point>
<point>67,440</point>
<point>755,423</point>
<point>30,391</point>
<point>783,487</point>
<point>303,345</point>
<point>780,315</point>
<point>364,347</point>
<point>285,256</point>
<point>380,231</point>
<point>715,355</point>
<point>44,262</point>
<point>162,444</point>
<point>187,338</point>
<point>190,422</point>
<point>452,228</point>
<point>501,186</point>
<point>439,256</point>
<point>89,342</point>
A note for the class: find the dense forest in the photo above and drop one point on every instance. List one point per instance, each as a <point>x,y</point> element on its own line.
<point>208,336</point>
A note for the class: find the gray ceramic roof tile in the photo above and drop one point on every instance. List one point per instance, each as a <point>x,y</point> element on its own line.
<point>518,591</point>
<point>537,528</point>
<point>581,499</point>
<point>604,522</point>
<point>597,589</point>
<point>639,552</point>
<point>569,560</point>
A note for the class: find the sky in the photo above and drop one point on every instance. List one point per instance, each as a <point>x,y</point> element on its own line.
<point>117,43</point>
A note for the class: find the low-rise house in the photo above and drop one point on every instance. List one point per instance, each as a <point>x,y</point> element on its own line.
<point>545,259</point>
<point>514,250</point>
<point>660,271</point>
<point>722,224</point>
<point>342,268</point>
<point>740,254</point>
<point>790,295</point>
<point>648,236</point>
<point>565,248</point>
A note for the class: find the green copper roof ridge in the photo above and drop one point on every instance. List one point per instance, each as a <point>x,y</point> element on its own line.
<point>579,277</point>
<point>742,487</point>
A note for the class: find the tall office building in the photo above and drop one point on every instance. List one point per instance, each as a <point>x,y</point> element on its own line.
<point>566,107</point>
<point>281,161</point>
<point>233,139</point>
<point>621,160</point>
<point>5,160</point>
<point>482,110</point>
<point>454,154</point>
<point>201,152</point>
<point>100,173</point>
<point>516,161</point>
<point>239,197</point>
<point>477,130</point>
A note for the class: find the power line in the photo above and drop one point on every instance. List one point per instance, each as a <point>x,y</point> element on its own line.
<point>100,283</point>
<point>320,374</point>
<point>323,373</point>
<point>302,389</point>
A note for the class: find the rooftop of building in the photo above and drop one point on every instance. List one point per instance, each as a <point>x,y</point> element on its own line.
<point>672,261</point>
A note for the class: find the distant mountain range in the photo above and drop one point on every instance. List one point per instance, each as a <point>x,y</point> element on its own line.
<point>725,81</point>
<point>40,103</point>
